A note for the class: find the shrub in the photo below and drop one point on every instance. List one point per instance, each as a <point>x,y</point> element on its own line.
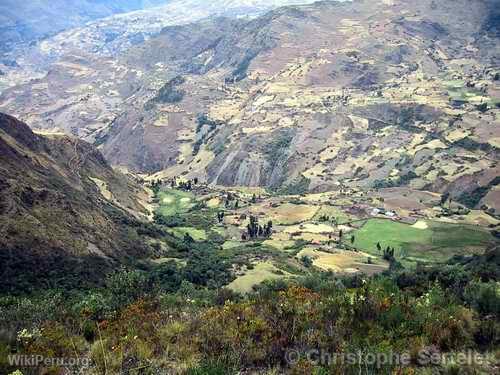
<point>127,286</point>
<point>306,261</point>
<point>209,368</point>
<point>484,297</point>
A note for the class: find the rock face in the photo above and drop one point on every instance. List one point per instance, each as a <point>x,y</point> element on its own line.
<point>361,94</point>
<point>62,208</point>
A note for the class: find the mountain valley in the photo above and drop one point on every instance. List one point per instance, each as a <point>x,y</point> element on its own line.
<point>353,106</point>
<point>250,187</point>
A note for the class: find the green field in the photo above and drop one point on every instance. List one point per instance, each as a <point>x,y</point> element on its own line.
<point>197,234</point>
<point>438,242</point>
<point>175,201</point>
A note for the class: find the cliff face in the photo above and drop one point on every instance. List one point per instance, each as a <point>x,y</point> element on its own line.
<point>62,208</point>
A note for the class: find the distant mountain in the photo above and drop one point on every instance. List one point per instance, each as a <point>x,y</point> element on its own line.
<point>26,21</point>
<point>39,24</point>
<point>63,210</point>
<point>29,21</point>
<point>362,94</point>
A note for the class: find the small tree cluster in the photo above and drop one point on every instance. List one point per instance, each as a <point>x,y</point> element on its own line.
<point>254,230</point>
<point>183,185</point>
<point>229,199</point>
<point>156,185</point>
<point>389,254</point>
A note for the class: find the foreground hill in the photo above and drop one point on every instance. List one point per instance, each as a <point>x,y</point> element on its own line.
<point>61,207</point>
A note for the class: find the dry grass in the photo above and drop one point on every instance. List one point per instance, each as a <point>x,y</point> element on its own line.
<point>342,261</point>
<point>261,272</point>
<point>286,214</point>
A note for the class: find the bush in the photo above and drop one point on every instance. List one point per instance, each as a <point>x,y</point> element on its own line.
<point>484,297</point>
<point>126,286</point>
<point>306,261</point>
<point>209,368</point>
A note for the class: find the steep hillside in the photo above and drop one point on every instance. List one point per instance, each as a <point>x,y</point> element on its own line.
<point>62,208</point>
<point>364,94</point>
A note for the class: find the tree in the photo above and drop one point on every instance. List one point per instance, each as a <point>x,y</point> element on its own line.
<point>353,239</point>
<point>255,230</point>
<point>306,261</point>
<point>268,229</point>
<point>389,254</point>
<point>253,227</point>
<point>444,198</point>
<point>188,239</point>
<point>379,248</point>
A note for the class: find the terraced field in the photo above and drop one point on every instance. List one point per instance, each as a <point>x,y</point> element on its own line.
<point>320,232</point>
<point>196,234</point>
<point>259,273</point>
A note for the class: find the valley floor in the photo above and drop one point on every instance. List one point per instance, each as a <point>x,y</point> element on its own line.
<point>243,281</point>
<point>346,232</point>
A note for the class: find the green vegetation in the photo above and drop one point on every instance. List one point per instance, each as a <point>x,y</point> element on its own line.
<point>299,185</point>
<point>163,324</point>
<point>168,93</point>
<point>436,243</point>
<point>240,72</point>
<point>461,92</point>
<point>472,199</point>
<point>174,202</point>
<point>255,275</point>
<point>471,145</point>
<point>332,214</point>
<point>209,302</point>
<point>396,181</point>
<point>196,234</point>
<point>203,121</point>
